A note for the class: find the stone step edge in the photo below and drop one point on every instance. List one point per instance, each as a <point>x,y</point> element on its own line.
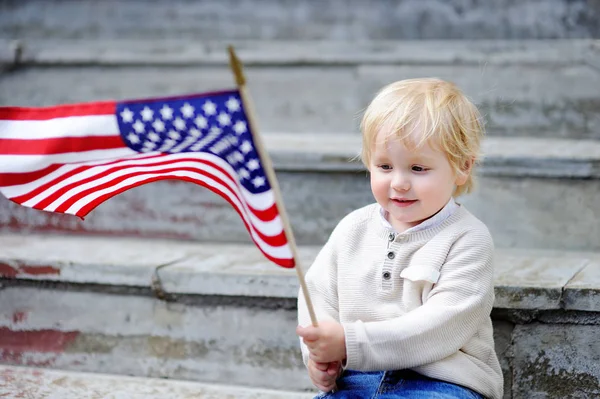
<point>18,381</point>
<point>525,279</point>
<point>300,53</point>
<point>503,156</point>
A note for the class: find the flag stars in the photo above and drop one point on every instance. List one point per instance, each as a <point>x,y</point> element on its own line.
<point>240,127</point>
<point>224,119</point>
<point>232,104</point>
<point>238,157</point>
<point>215,130</point>
<point>153,136</point>
<point>147,114</point>
<point>133,138</point>
<point>201,122</point>
<point>158,125</point>
<point>174,135</point>
<point>243,173</point>
<point>246,147</point>
<point>167,145</point>
<point>139,127</point>
<point>166,112</point>
<point>127,115</point>
<point>258,181</point>
<point>187,110</point>
<point>253,164</point>
<point>179,124</point>
<point>195,132</point>
<point>209,108</point>
<point>148,146</point>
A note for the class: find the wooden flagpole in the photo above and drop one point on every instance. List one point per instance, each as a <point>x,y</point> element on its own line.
<point>240,80</point>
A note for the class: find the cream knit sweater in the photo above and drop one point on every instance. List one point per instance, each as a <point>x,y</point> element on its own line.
<point>419,300</point>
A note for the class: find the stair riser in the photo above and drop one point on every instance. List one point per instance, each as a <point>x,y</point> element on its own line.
<point>515,99</point>
<point>142,336</point>
<point>521,212</point>
<point>337,20</point>
<point>233,341</point>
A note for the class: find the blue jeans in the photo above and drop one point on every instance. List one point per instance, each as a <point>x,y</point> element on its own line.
<point>395,384</point>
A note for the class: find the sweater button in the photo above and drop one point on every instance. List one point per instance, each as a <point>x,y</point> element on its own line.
<point>386,275</point>
<point>391,237</point>
<point>391,255</point>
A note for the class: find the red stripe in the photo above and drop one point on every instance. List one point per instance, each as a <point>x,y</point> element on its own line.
<point>266,214</point>
<point>32,193</point>
<point>16,179</point>
<point>59,111</point>
<point>59,145</point>
<point>278,240</point>
<point>53,197</point>
<point>63,207</point>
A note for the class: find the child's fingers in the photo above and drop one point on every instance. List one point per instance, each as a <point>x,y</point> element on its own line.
<point>333,368</point>
<point>308,333</point>
<point>322,366</point>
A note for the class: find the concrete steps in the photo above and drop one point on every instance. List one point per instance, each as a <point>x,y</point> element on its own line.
<point>30,382</point>
<point>524,88</point>
<point>532,193</point>
<point>301,20</point>
<point>228,317</point>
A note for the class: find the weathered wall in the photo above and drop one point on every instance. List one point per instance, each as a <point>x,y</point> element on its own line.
<point>229,316</point>
<point>307,19</point>
<point>239,340</point>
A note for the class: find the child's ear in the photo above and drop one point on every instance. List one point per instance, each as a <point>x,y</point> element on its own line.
<point>463,174</point>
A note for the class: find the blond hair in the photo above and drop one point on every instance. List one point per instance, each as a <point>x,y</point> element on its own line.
<point>419,111</point>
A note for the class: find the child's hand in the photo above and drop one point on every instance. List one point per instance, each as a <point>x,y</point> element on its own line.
<point>326,343</point>
<point>323,375</point>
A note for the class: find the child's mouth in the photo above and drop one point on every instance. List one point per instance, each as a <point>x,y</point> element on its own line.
<point>403,203</point>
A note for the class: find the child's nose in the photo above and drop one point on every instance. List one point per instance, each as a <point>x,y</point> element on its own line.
<point>401,182</point>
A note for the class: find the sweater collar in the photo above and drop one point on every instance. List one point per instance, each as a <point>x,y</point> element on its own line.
<point>388,233</point>
<point>448,209</point>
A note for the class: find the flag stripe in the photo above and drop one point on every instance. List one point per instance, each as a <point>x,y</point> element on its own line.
<point>25,186</point>
<point>11,165</point>
<point>63,145</point>
<point>49,191</point>
<point>269,233</point>
<point>59,111</point>
<point>280,255</point>
<point>19,193</point>
<point>14,179</point>
<point>74,126</point>
<point>261,219</point>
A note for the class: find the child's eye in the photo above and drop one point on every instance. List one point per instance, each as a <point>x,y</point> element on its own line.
<point>417,168</point>
<point>385,167</point>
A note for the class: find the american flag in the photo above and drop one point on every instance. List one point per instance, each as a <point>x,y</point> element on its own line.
<point>71,158</point>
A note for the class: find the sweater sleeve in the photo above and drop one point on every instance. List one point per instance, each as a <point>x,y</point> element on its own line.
<point>454,310</point>
<point>321,280</point>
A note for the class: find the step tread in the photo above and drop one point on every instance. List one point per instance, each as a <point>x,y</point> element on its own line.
<point>349,143</point>
<point>21,382</point>
<point>518,156</point>
<point>302,52</point>
<point>525,279</point>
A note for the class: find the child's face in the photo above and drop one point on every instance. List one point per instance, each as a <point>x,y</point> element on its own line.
<point>410,184</point>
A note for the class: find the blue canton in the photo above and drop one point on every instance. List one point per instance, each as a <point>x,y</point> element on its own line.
<point>212,123</point>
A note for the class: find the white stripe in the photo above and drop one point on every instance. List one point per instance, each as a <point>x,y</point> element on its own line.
<point>267,227</point>
<point>274,227</point>
<point>31,163</point>
<point>17,191</point>
<point>71,126</point>
<point>260,201</point>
